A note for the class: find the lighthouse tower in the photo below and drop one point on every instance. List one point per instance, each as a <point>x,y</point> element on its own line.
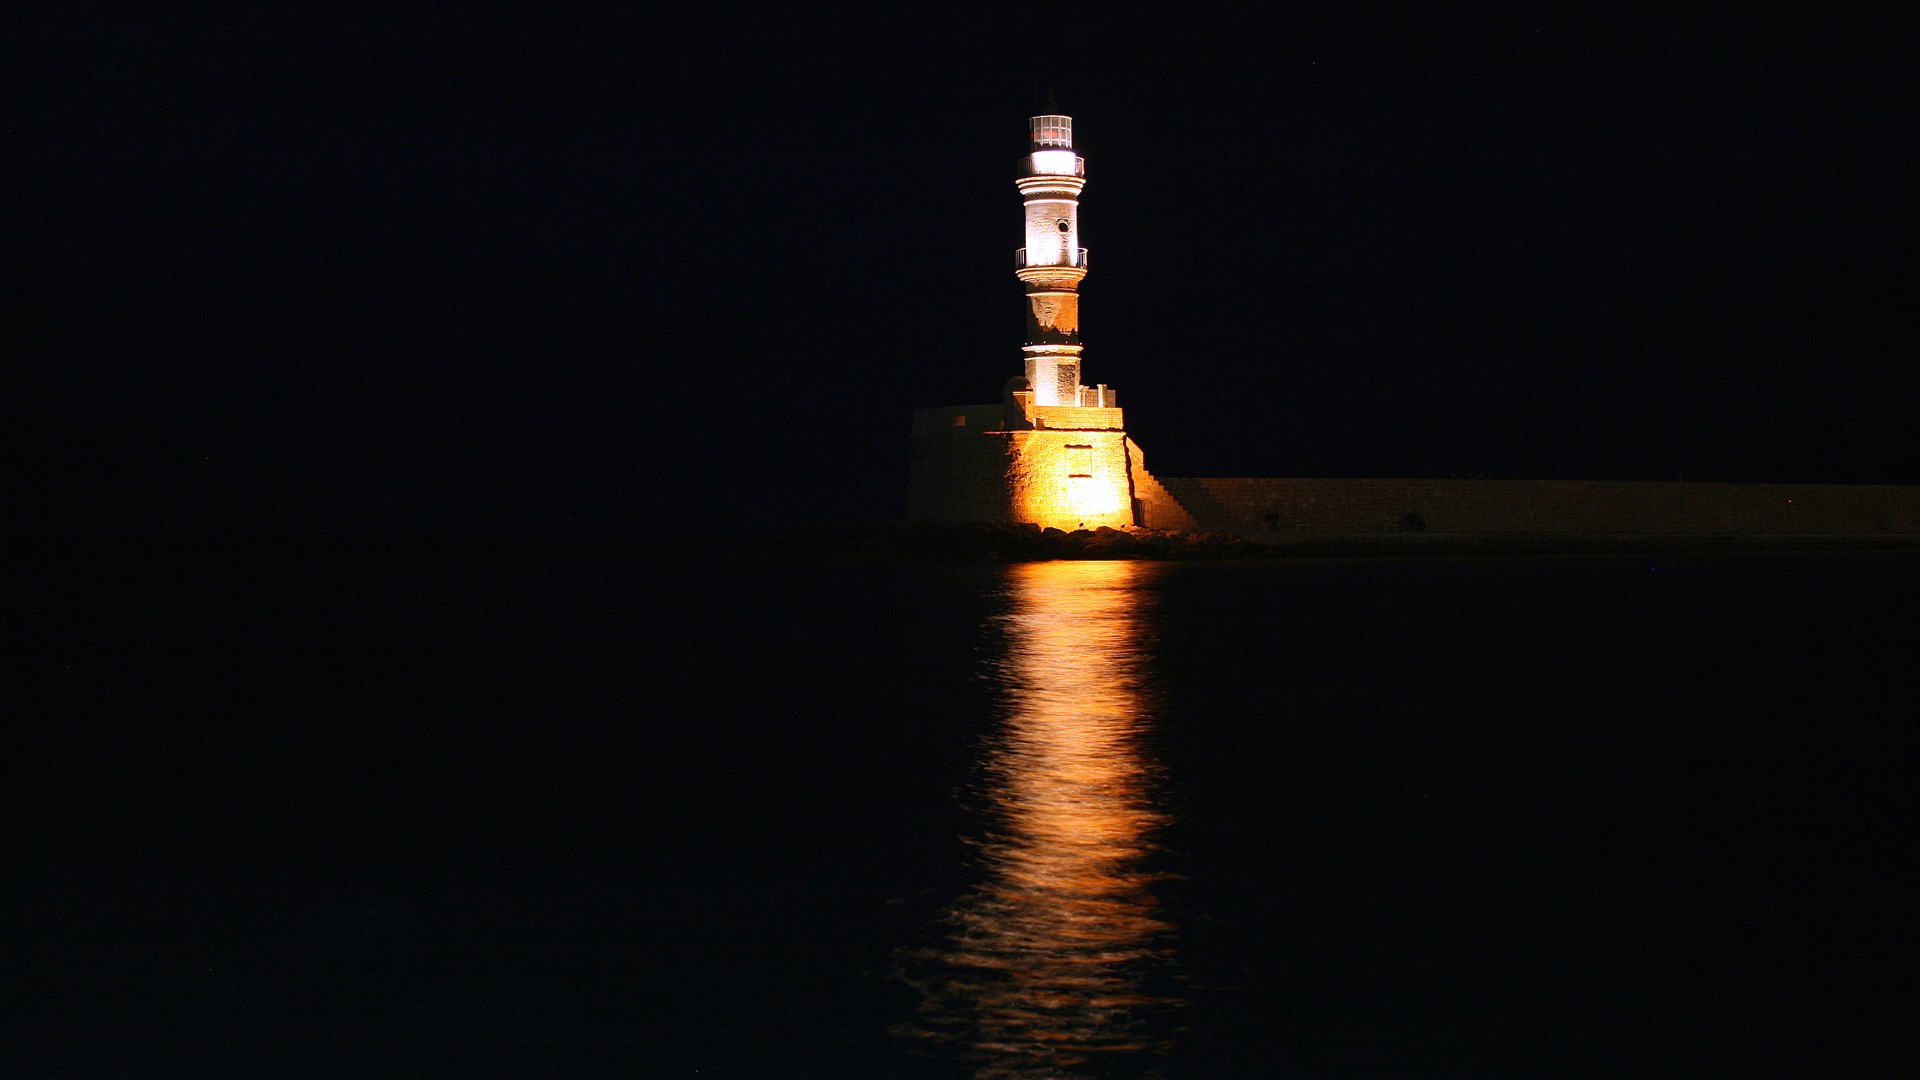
<point>1053,263</point>
<point>1051,452</point>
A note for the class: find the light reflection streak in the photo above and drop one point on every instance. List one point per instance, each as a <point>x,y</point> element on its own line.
<point>1053,963</point>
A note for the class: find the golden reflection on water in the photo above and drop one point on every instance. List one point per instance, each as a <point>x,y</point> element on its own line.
<point>1052,964</point>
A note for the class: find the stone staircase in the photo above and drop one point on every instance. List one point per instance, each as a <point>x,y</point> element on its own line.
<point>1158,508</point>
<point>1202,504</point>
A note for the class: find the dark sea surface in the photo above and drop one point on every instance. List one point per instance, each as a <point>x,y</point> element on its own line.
<point>548,811</point>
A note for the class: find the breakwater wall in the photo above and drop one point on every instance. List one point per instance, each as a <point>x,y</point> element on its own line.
<point>1338,505</point>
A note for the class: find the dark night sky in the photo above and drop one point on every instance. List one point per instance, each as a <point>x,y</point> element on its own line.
<point>459,271</point>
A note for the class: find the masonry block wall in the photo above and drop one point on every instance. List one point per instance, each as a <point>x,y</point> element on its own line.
<point>958,464</point>
<point>1329,505</point>
<point>965,466</point>
<point>982,463</point>
<point>1070,479</point>
<point>1076,416</point>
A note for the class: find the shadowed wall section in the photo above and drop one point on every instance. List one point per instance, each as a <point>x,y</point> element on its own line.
<point>1329,505</point>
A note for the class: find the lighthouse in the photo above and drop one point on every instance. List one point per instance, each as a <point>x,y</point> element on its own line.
<point>1052,264</point>
<point>1051,452</point>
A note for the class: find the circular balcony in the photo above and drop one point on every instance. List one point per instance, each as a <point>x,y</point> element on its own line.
<point>1078,262</point>
<point>1053,163</point>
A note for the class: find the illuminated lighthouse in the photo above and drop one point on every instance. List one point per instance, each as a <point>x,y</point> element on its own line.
<point>1051,452</point>
<point>1053,262</point>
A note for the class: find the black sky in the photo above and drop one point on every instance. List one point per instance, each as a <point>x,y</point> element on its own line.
<point>464,271</point>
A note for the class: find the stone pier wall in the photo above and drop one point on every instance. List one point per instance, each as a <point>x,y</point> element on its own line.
<point>1076,468</point>
<point>1333,505</point>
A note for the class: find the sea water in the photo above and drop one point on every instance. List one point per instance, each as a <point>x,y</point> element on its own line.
<point>554,811</point>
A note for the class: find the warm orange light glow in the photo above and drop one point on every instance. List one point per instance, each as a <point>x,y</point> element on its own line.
<point>1073,478</point>
<point>1051,958</point>
<point>1093,500</point>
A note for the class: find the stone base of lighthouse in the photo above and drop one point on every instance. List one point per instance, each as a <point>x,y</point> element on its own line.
<point>1057,466</point>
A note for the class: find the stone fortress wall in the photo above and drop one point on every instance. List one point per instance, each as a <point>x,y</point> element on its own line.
<point>1010,463</point>
<point>971,464</point>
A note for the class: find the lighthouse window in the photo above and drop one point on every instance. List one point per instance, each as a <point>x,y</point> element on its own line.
<point>1061,224</point>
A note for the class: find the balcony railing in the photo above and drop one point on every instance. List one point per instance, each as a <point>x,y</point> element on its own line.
<point>1020,260</point>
